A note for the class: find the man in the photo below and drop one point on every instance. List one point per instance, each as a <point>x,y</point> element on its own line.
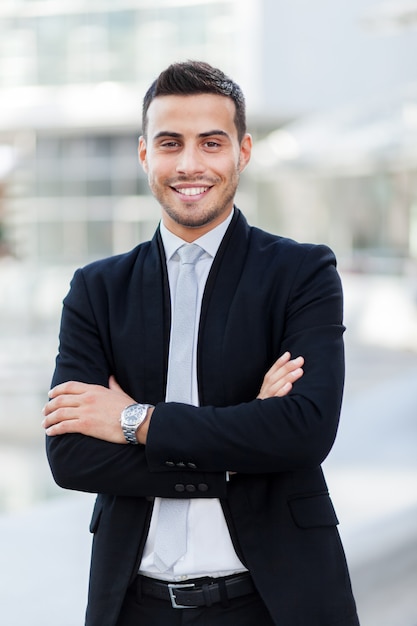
<point>241,456</point>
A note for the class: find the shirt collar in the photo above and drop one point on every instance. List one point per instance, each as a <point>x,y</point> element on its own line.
<point>210,242</point>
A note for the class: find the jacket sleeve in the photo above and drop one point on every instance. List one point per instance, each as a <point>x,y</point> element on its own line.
<point>277,434</point>
<point>87,464</point>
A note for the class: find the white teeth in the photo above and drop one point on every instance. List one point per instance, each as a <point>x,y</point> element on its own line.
<point>192,191</point>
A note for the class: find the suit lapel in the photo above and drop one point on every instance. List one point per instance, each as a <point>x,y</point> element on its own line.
<point>218,295</point>
<point>155,319</point>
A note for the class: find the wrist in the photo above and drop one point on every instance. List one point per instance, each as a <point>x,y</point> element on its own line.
<point>132,418</point>
<point>142,430</point>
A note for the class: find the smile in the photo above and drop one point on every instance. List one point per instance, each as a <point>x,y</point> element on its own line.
<point>192,191</point>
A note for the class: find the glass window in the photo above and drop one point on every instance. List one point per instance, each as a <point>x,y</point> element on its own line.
<point>161,37</point>
<point>99,238</point>
<point>48,187</point>
<point>17,54</point>
<point>74,148</point>
<point>98,187</point>
<point>123,147</point>
<point>48,147</point>
<point>75,241</point>
<point>50,240</point>
<point>98,146</point>
<point>123,185</point>
<point>73,186</point>
<point>87,49</point>
<point>52,36</point>
<point>121,33</point>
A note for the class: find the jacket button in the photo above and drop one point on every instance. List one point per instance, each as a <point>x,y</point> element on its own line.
<point>192,465</point>
<point>203,487</point>
<point>181,464</point>
<point>179,487</point>
<point>169,463</point>
<point>190,488</point>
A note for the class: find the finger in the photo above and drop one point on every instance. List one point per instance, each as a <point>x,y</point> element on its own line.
<point>70,387</point>
<point>295,363</point>
<point>283,391</point>
<point>283,386</point>
<point>285,364</point>
<point>290,377</point>
<point>58,416</point>
<point>280,362</point>
<point>60,402</point>
<point>296,374</point>
<point>63,427</point>
<point>279,375</point>
<point>290,367</point>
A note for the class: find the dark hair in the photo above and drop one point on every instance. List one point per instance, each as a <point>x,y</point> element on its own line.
<point>196,77</point>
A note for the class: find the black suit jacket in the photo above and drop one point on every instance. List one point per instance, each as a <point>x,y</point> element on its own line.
<point>264,295</point>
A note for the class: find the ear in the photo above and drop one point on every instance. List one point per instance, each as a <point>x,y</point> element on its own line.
<point>142,153</point>
<point>245,151</point>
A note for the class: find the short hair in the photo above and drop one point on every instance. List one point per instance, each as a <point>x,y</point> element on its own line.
<point>192,78</point>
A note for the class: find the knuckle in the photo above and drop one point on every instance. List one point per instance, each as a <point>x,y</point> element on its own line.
<point>58,403</point>
<point>90,397</point>
<point>60,414</point>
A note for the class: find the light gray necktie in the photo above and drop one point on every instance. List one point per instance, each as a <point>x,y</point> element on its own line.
<point>171,532</point>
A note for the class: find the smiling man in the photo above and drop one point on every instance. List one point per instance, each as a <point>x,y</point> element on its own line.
<point>193,157</point>
<point>176,399</point>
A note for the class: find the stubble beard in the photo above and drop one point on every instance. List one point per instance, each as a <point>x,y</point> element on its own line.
<point>195,217</point>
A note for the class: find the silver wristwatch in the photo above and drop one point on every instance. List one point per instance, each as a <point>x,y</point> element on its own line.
<point>131,418</point>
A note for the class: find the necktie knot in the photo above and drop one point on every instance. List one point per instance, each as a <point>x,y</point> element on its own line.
<point>189,253</point>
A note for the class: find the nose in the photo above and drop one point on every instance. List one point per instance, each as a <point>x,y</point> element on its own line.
<point>190,161</point>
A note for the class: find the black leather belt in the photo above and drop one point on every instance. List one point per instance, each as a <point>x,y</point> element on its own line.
<point>200,592</point>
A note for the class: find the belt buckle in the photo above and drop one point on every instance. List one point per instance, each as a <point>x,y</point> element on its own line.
<point>171,588</point>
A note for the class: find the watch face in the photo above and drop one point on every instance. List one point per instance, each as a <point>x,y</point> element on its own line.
<point>131,419</point>
<point>131,416</point>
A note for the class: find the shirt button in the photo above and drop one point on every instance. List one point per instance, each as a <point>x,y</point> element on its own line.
<point>179,487</point>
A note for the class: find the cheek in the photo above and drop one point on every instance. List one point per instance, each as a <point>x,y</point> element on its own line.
<point>156,170</point>
<point>154,179</point>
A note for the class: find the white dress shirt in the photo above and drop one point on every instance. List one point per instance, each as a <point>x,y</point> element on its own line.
<point>210,551</point>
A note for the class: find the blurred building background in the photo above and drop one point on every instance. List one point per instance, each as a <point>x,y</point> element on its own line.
<point>331,90</point>
<point>72,75</point>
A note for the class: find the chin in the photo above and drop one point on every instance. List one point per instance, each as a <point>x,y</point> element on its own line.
<point>192,220</point>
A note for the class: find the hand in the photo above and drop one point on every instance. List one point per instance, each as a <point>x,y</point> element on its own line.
<point>91,410</point>
<point>279,379</point>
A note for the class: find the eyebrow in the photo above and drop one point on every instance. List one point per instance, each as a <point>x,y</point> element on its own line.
<point>209,133</point>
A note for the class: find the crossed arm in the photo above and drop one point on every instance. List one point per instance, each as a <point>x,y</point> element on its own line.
<point>94,410</point>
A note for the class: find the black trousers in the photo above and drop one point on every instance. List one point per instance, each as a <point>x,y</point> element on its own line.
<point>141,610</point>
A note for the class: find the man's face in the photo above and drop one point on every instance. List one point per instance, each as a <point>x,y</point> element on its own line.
<point>193,160</point>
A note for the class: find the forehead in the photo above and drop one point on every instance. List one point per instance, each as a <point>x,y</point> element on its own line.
<point>191,114</point>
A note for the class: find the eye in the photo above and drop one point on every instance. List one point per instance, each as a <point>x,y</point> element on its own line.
<point>169,144</point>
<point>212,144</point>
